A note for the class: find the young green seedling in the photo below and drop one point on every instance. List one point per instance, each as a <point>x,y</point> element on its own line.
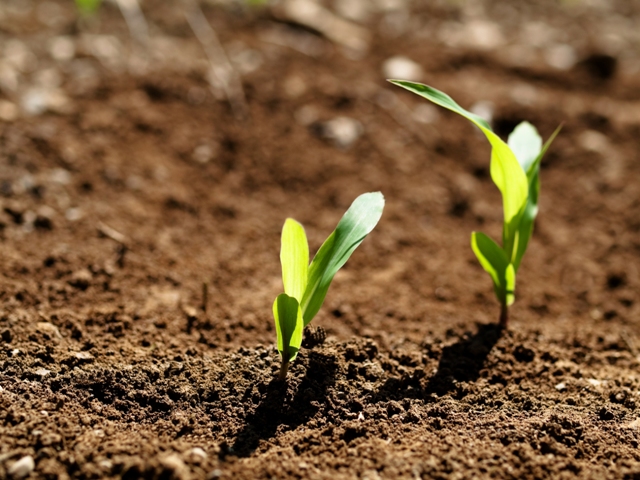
<point>515,169</point>
<point>305,286</point>
<point>88,7</point>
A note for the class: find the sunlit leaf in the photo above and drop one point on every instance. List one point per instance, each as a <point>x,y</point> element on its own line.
<point>88,6</point>
<point>505,169</point>
<point>294,256</point>
<point>493,259</point>
<point>288,317</point>
<point>359,220</point>
<point>525,226</point>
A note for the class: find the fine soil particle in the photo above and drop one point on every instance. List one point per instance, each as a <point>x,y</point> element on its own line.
<point>128,187</point>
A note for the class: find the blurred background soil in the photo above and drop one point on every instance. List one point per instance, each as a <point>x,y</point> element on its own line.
<point>146,152</point>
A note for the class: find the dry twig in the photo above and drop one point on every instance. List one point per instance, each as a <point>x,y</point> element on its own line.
<point>225,76</point>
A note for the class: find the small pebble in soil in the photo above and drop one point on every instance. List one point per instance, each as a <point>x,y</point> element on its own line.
<point>343,131</point>
<point>22,468</point>
<point>402,68</point>
<point>214,474</point>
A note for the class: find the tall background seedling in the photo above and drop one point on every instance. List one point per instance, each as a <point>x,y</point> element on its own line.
<point>515,169</point>
<point>306,286</point>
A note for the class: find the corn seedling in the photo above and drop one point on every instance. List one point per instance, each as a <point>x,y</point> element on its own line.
<point>306,285</point>
<point>515,169</point>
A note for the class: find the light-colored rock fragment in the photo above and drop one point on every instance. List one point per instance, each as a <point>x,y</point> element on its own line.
<point>60,176</point>
<point>22,468</point>
<point>561,56</point>
<point>343,131</point>
<point>48,328</point>
<point>356,10</point>
<point>174,463</point>
<point>402,68</point>
<point>204,153</point>
<point>62,48</point>
<point>594,141</point>
<point>42,372</point>
<point>195,455</point>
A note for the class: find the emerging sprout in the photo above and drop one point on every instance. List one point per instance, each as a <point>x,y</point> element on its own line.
<point>515,168</point>
<point>88,7</point>
<point>305,286</point>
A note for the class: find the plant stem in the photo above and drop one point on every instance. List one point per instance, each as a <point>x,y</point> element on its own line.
<point>504,315</point>
<point>284,368</point>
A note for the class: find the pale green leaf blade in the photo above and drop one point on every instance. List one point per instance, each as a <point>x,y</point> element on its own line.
<point>494,261</point>
<point>526,144</point>
<point>289,324</point>
<point>358,221</point>
<point>508,176</point>
<point>525,227</point>
<point>440,98</point>
<point>87,7</point>
<point>294,257</point>
<point>505,169</point>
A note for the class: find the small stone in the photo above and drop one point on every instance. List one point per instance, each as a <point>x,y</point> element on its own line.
<point>174,463</point>
<point>81,279</point>
<point>73,214</point>
<point>214,474</point>
<point>402,68</point>
<point>22,468</point>
<point>60,176</point>
<point>62,48</point>
<point>483,35</point>
<point>594,382</point>
<point>561,386</point>
<point>48,328</point>
<point>42,372</point>
<point>343,131</point>
<point>196,455</point>
<point>561,56</point>
<point>84,356</point>
<point>203,153</point>
<point>594,141</point>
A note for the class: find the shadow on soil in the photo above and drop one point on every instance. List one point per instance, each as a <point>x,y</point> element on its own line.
<point>460,362</point>
<point>275,410</point>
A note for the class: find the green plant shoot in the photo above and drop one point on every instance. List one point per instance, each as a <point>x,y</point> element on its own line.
<point>515,169</point>
<point>88,7</point>
<point>306,286</point>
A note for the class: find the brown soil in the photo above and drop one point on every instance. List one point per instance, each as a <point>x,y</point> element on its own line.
<point>136,185</point>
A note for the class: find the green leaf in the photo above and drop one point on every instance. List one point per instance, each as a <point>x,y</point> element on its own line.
<point>526,144</point>
<point>505,169</point>
<point>525,227</point>
<point>88,6</point>
<point>294,257</point>
<point>442,99</point>
<point>358,221</point>
<point>495,262</point>
<point>288,317</point>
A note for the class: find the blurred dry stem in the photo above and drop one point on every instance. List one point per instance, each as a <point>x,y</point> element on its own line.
<point>224,76</point>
